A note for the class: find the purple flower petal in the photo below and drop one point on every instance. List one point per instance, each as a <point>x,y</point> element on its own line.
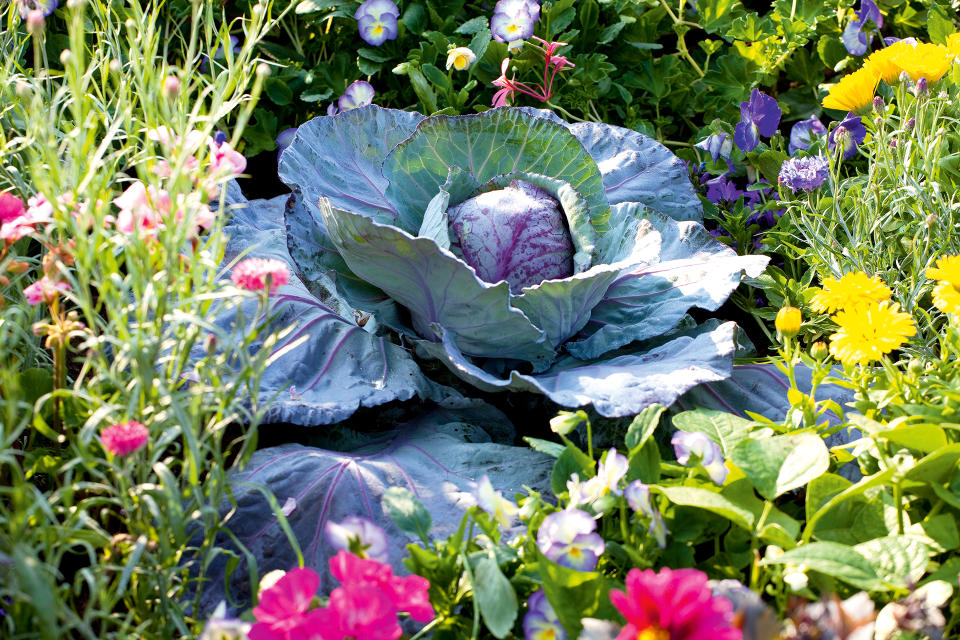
<point>855,134</point>
<point>376,31</point>
<point>854,39</point>
<point>718,145</point>
<point>512,27</point>
<point>745,134</point>
<point>358,94</point>
<point>376,9</point>
<point>763,111</point>
<point>802,134</point>
<point>804,174</point>
<point>870,13</point>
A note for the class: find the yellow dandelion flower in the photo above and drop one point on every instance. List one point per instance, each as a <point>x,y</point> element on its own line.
<point>882,61</point>
<point>953,44</point>
<point>948,268</point>
<point>853,289</point>
<point>854,91</point>
<point>867,332</point>
<point>925,60</point>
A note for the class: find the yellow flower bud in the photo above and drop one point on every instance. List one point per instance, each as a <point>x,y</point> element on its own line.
<point>788,322</point>
<point>819,350</point>
<point>460,58</point>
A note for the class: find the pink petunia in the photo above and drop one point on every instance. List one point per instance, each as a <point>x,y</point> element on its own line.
<point>283,612</point>
<point>44,291</point>
<point>125,438</point>
<point>674,604</point>
<point>252,274</point>
<point>407,593</point>
<point>11,207</point>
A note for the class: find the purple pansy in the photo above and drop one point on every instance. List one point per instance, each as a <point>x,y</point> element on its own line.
<point>541,622</point>
<point>804,174</point>
<point>377,21</point>
<point>513,20</point>
<point>858,34</point>
<point>568,538</point>
<point>45,7</point>
<point>759,117</point>
<point>720,189</point>
<point>718,145</point>
<point>690,444</point>
<point>853,133</point>
<point>803,133</point>
<point>359,536</point>
<point>360,93</point>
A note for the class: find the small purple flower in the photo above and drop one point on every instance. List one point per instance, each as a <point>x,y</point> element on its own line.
<point>718,145</point>
<point>568,538</point>
<point>720,189</point>
<point>853,135</point>
<point>285,139</point>
<point>377,21</point>
<point>804,174</point>
<point>541,622</point>
<point>638,497</point>
<point>359,536</point>
<point>803,133</point>
<point>858,34</point>
<point>759,116</point>
<point>358,94</point>
<point>219,137</point>
<point>46,7</point>
<point>513,20</point>
<point>688,444</point>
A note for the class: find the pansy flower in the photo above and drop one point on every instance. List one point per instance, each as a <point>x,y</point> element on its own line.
<point>804,133</point>
<point>568,538</point>
<point>541,621</point>
<point>759,117</point>
<point>377,21</point>
<point>513,21</point>
<point>858,34</point>
<point>360,536</point>
<point>695,445</point>
<point>718,145</point>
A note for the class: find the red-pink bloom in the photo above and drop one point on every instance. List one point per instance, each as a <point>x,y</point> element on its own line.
<point>44,291</point>
<point>252,274</point>
<point>509,87</point>
<point>125,438</point>
<point>142,208</point>
<point>677,604</point>
<point>225,161</point>
<point>283,611</point>
<point>11,207</point>
<point>361,611</point>
<point>407,593</point>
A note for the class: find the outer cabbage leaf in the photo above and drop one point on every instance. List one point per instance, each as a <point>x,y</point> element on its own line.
<point>621,385</point>
<point>440,291</point>
<point>637,168</point>
<point>336,365</point>
<point>650,297</point>
<point>437,456</point>
<point>487,145</point>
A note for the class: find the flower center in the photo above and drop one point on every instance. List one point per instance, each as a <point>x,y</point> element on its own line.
<point>653,633</point>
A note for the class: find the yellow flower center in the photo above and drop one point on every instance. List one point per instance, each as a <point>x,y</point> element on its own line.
<point>653,633</point>
<point>378,29</point>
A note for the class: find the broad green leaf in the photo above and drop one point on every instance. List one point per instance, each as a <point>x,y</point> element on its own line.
<point>924,437</point>
<point>710,501</point>
<point>782,463</point>
<point>898,560</point>
<point>936,467</point>
<point>821,489</point>
<point>836,560</point>
<point>407,512</point>
<point>575,594</point>
<point>716,15</point>
<point>552,449</point>
<point>494,596</point>
<point>724,428</point>
<point>850,492</point>
<point>643,426</point>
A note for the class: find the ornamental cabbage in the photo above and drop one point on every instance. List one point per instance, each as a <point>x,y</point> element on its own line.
<point>522,252</point>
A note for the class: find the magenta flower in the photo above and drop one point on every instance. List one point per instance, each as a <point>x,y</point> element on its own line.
<point>253,274</point>
<point>359,611</point>
<point>407,593</point>
<point>759,116</point>
<point>802,134</point>
<point>360,536</point>
<point>804,174</point>
<point>44,291</point>
<point>695,444</point>
<point>858,34</point>
<point>568,538</point>
<point>513,20</point>
<point>851,133</point>
<point>673,604</point>
<point>125,438</point>
<point>11,207</point>
<point>283,611</point>
<point>541,622</point>
<point>377,21</point>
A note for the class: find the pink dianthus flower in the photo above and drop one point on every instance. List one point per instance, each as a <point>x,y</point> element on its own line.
<point>125,438</point>
<point>407,593</point>
<point>283,612</point>
<point>252,274</point>
<point>44,291</point>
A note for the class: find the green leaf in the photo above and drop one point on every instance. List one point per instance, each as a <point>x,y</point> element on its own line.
<point>821,489</point>
<point>850,492</point>
<point>474,25</point>
<point>726,429</point>
<point>940,24</point>
<point>645,463</point>
<point>716,15</point>
<point>709,501</point>
<point>552,449</point>
<point>415,19</point>
<point>831,50</point>
<point>575,595</point>
<point>643,426</point>
<point>832,559</point>
<point>434,225</point>
<point>782,463</point>
<point>769,163</point>
<point>494,596</point>
<point>434,75</point>
<point>610,33</point>
<point>898,560</point>
<point>278,91</point>
<point>407,512</point>
<point>751,28</point>
<point>480,42</point>
<point>925,437</point>
<point>589,14</point>
<point>937,467</point>
<point>569,462</point>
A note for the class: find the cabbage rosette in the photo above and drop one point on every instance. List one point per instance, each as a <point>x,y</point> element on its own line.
<point>523,252</point>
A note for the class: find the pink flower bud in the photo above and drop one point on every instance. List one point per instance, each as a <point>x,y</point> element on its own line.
<point>171,87</point>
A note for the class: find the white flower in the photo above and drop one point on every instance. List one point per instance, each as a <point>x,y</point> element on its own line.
<point>494,503</point>
<point>460,58</point>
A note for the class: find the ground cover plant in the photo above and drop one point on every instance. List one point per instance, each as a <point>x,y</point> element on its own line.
<point>472,369</point>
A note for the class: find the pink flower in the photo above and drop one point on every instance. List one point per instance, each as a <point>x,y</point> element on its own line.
<point>38,209</point>
<point>44,290</point>
<point>508,86</point>
<point>142,208</point>
<point>125,438</point>
<point>673,604</point>
<point>11,207</point>
<point>407,593</point>
<point>252,274</point>
<point>283,612</point>
<point>361,611</point>
<point>225,161</point>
